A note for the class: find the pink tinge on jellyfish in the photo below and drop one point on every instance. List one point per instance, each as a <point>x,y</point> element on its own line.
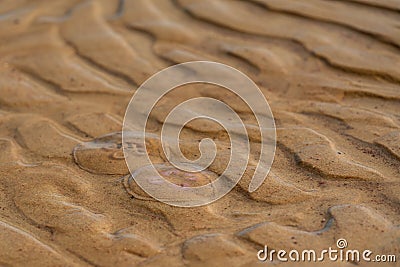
<point>191,177</point>
<point>170,172</point>
<point>155,180</point>
<point>183,178</point>
<point>180,179</point>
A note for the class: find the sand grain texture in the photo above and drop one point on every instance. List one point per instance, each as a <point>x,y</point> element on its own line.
<point>329,69</point>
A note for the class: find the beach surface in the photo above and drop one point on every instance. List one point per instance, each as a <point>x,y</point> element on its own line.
<point>330,71</point>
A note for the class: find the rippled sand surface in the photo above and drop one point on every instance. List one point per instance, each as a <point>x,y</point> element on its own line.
<point>329,69</point>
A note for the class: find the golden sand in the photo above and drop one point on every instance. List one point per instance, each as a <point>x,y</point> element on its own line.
<point>329,69</point>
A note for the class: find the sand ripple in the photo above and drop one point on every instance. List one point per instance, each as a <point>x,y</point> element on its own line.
<point>329,69</point>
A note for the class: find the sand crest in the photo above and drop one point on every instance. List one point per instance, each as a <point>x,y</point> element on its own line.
<point>329,69</point>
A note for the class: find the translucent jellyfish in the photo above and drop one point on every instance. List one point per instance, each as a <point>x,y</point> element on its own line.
<point>181,179</point>
<point>104,154</point>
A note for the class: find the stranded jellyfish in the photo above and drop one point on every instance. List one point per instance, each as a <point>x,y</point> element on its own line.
<point>104,154</point>
<point>168,173</point>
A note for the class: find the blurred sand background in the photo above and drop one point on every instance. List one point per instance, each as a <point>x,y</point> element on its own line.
<point>329,69</point>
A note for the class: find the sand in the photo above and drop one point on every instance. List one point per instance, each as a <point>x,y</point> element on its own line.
<point>329,69</point>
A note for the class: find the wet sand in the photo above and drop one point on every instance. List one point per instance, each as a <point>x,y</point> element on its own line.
<point>329,69</point>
